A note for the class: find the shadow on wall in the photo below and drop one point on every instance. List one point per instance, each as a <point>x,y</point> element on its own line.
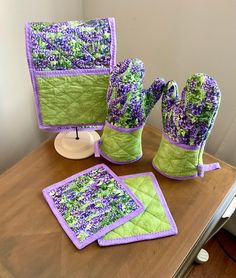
<point>19,131</point>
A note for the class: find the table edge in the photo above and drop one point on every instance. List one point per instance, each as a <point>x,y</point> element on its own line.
<point>189,259</point>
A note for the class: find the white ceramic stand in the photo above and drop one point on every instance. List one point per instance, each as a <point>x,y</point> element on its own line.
<point>68,146</point>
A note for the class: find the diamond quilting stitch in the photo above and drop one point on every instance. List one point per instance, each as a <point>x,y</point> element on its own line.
<point>60,50</point>
<point>155,222</point>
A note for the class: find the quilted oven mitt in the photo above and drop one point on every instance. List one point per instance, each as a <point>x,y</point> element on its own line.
<point>129,105</point>
<point>187,122</point>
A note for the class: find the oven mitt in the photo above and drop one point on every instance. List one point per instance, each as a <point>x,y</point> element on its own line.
<point>129,105</point>
<point>187,123</point>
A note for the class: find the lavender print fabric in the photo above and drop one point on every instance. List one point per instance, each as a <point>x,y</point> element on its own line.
<point>188,119</point>
<point>129,104</point>
<point>71,45</point>
<point>69,64</point>
<point>92,201</point>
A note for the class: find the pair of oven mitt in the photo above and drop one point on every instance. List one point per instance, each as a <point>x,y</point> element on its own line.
<point>187,120</point>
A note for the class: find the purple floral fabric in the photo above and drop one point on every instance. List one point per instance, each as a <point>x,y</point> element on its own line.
<point>129,104</point>
<point>71,45</point>
<point>91,202</point>
<point>188,119</point>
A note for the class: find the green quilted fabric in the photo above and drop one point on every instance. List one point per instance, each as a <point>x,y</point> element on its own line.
<point>153,220</point>
<point>65,99</point>
<point>175,161</point>
<point>121,146</point>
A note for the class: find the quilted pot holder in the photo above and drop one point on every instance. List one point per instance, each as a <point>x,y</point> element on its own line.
<point>155,222</point>
<point>69,64</point>
<point>91,203</point>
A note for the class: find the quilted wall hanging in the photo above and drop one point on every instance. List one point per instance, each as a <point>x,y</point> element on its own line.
<point>69,64</point>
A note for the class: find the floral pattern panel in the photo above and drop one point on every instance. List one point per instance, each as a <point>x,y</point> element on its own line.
<point>71,45</point>
<point>189,118</point>
<point>129,104</point>
<point>92,201</point>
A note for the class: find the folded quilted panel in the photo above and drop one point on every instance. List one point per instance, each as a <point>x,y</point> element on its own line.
<point>155,222</point>
<point>69,64</point>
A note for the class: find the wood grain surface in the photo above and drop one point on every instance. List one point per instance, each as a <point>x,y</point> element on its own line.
<point>32,243</point>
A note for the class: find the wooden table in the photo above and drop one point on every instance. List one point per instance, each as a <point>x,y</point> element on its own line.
<point>32,243</point>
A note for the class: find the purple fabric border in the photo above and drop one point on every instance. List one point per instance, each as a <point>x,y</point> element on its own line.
<point>183,146</point>
<point>98,152</point>
<point>202,168</point>
<point>31,70</point>
<point>96,148</point>
<point>64,128</point>
<point>124,129</point>
<point>172,231</point>
<point>173,177</point>
<point>106,229</point>
<point>34,73</point>
<point>112,24</point>
<point>75,72</point>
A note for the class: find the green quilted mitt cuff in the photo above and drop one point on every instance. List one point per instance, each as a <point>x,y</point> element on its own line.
<point>177,162</point>
<point>181,162</point>
<point>120,145</point>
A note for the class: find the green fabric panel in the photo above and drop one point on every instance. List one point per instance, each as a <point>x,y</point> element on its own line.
<point>153,219</point>
<point>175,161</point>
<point>121,146</point>
<point>73,99</point>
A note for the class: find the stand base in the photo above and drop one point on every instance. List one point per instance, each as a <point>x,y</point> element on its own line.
<point>69,147</point>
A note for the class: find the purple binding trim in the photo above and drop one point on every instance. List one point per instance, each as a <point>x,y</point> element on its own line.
<point>112,24</point>
<point>31,70</point>
<point>75,72</point>
<point>69,127</point>
<point>123,129</point>
<point>98,152</point>
<point>104,230</point>
<point>183,146</point>
<point>139,237</point>
<point>207,167</point>
<point>96,148</point>
<point>34,73</point>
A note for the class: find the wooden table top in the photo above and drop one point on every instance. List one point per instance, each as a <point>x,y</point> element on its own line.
<point>33,244</point>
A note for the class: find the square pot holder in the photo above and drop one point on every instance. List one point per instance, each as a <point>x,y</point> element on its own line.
<point>91,203</point>
<point>155,222</point>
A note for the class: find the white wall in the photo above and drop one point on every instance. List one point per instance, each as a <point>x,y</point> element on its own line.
<point>173,38</point>
<point>176,39</point>
<point>19,132</point>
